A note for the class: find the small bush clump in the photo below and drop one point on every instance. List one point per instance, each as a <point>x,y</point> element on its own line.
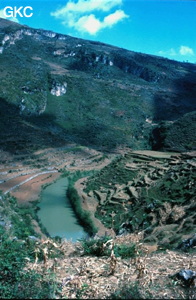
<point>127,292</point>
<point>102,247</point>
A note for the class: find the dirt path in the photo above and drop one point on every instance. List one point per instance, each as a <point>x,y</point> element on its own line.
<point>90,203</point>
<point>28,179</point>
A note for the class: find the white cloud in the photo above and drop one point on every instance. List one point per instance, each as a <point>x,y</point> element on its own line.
<point>82,16</point>
<point>170,52</point>
<point>92,25</point>
<point>184,50</point>
<point>114,18</point>
<point>88,23</point>
<point>14,19</point>
<point>1,13</point>
<point>83,6</point>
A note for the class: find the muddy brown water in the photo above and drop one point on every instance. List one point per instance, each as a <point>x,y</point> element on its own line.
<point>56,214</point>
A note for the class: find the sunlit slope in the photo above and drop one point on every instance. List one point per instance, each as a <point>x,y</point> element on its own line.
<point>89,92</point>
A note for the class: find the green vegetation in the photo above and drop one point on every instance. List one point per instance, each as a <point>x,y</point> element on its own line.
<point>125,251</point>
<point>114,96</point>
<point>16,250</point>
<point>15,282</point>
<point>20,217</point>
<point>83,216</point>
<point>102,247</point>
<point>138,192</point>
<point>180,135</point>
<point>34,269</point>
<point>95,247</point>
<point>112,174</point>
<point>131,291</point>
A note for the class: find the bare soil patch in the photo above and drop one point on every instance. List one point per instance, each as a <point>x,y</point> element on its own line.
<point>59,159</point>
<point>32,189</point>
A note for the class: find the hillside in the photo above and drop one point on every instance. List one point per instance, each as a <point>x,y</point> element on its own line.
<point>74,88</point>
<point>120,126</point>
<point>147,191</point>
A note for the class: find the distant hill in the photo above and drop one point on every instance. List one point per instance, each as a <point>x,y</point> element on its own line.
<point>57,87</point>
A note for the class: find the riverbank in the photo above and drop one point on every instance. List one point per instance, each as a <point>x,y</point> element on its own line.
<point>56,213</point>
<point>24,176</point>
<point>90,204</point>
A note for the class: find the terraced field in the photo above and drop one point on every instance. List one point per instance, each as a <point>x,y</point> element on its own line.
<point>146,191</point>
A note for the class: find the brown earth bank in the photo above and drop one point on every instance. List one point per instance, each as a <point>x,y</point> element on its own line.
<point>90,204</point>
<point>31,190</point>
<point>17,170</point>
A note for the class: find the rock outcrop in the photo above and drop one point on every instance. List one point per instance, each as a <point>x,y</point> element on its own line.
<point>59,89</point>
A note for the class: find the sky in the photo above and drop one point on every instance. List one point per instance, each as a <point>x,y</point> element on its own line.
<point>159,27</point>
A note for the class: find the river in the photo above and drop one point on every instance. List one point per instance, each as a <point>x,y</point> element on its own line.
<point>56,213</point>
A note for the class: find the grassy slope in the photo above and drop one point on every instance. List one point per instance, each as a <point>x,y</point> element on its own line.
<point>180,135</point>
<point>109,104</point>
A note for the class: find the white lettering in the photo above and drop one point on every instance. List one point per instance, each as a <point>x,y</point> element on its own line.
<point>25,14</point>
<point>15,12</point>
<point>10,12</point>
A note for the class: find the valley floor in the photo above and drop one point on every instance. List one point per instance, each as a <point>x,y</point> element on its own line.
<point>91,277</point>
<point>24,175</point>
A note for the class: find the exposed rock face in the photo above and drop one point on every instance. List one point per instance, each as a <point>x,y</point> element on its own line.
<point>9,39</point>
<point>59,89</point>
<point>5,39</point>
<point>128,96</point>
<point>49,34</point>
<point>133,192</point>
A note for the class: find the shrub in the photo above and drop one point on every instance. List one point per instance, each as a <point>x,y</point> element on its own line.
<point>100,247</point>
<point>83,216</point>
<point>125,251</point>
<point>96,247</point>
<point>15,280</point>
<point>127,292</point>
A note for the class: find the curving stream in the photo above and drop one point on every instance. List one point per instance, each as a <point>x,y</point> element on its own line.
<point>56,213</point>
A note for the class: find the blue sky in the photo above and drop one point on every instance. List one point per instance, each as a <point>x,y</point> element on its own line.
<point>159,27</point>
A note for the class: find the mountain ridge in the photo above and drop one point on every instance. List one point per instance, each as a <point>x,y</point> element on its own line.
<point>83,84</point>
